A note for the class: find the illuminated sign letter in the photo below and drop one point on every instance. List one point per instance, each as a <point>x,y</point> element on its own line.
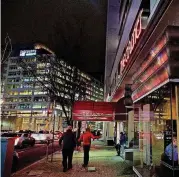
<point>138,26</point>
<point>130,46</point>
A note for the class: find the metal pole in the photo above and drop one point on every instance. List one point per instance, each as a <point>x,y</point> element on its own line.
<point>53,131</point>
<point>171,94</point>
<point>47,150</point>
<point>150,129</point>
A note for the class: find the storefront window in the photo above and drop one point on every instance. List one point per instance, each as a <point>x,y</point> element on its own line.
<point>157,130</point>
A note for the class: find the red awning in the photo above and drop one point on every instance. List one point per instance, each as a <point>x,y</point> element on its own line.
<point>93,111</point>
<point>99,111</point>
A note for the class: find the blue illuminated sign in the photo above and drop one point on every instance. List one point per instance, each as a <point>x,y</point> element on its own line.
<point>25,53</point>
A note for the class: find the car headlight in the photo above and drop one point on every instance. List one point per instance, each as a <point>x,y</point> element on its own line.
<point>16,141</point>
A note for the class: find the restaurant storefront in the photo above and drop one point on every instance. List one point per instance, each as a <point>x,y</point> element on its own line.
<point>155,92</point>
<point>150,64</point>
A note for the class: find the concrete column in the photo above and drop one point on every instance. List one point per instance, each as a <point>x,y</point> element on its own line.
<point>118,131</point>
<point>130,126</point>
<point>111,130</point>
<point>146,130</point>
<point>104,131</point>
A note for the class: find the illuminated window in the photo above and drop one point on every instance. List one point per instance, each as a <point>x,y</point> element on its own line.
<point>41,65</point>
<point>13,79</point>
<point>29,60</point>
<point>14,73</point>
<point>13,93</point>
<point>39,105</point>
<point>26,92</point>
<point>40,92</point>
<point>11,99</point>
<point>24,106</point>
<point>41,71</point>
<point>24,99</point>
<point>27,79</point>
<point>26,85</point>
<point>12,106</point>
<point>40,99</point>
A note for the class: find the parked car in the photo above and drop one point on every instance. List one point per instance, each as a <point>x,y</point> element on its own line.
<point>5,131</point>
<point>42,137</point>
<point>21,139</point>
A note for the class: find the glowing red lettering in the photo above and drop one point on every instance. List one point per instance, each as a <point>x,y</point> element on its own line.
<point>130,46</point>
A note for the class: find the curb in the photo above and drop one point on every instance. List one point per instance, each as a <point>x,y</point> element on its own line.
<point>25,168</point>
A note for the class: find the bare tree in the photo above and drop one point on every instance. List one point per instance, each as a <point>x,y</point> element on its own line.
<point>63,83</point>
<point>6,49</point>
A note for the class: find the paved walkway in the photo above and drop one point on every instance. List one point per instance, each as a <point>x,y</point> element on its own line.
<point>104,159</point>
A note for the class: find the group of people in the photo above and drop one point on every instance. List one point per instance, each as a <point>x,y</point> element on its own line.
<point>69,144</point>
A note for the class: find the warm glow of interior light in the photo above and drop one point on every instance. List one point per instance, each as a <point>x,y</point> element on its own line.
<point>41,46</point>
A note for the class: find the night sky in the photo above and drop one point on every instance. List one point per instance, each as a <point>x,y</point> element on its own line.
<point>74,29</point>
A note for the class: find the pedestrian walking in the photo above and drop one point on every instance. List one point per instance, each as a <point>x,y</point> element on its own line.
<point>69,144</point>
<point>122,142</point>
<point>86,138</point>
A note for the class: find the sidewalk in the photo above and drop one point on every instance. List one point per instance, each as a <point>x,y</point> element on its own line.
<point>104,159</point>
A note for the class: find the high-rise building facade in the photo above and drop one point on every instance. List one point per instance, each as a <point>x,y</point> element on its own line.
<point>27,78</point>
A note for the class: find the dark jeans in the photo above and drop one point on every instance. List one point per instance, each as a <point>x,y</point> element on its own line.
<point>67,154</point>
<point>86,149</point>
<point>118,149</point>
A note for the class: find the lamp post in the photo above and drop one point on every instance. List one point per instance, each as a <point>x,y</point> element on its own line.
<point>54,112</point>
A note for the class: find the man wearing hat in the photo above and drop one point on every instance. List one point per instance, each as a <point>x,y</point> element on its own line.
<point>69,144</point>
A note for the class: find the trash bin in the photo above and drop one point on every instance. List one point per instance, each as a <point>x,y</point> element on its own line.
<point>110,142</point>
<point>7,150</point>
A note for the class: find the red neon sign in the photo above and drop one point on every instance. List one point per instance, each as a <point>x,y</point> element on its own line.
<point>130,46</point>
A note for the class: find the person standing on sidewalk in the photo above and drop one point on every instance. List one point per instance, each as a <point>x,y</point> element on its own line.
<point>86,138</point>
<point>122,142</point>
<point>69,144</point>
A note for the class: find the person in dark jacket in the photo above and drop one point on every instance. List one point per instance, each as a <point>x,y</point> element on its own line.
<point>122,142</point>
<point>69,144</point>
